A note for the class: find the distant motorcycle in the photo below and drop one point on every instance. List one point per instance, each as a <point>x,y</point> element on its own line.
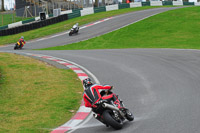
<point>109,114</point>
<point>18,45</point>
<point>74,30</point>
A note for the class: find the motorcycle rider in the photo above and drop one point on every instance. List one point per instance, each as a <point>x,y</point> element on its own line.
<point>76,27</point>
<point>95,94</point>
<point>22,41</point>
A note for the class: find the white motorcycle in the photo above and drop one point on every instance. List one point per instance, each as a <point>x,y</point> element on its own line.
<point>74,30</point>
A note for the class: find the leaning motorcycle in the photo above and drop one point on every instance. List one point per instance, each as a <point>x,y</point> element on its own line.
<point>73,31</point>
<point>18,45</point>
<point>109,114</point>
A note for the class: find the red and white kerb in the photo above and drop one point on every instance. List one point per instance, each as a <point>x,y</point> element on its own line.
<point>83,111</point>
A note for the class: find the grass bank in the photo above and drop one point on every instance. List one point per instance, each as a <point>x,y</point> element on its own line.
<point>66,25</point>
<point>8,18</point>
<point>172,29</point>
<point>35,96</point>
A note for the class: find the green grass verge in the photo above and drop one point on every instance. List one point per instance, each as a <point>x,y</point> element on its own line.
<point>35,96</point>
<point>66,25</point>
<point>6,19</point>
<point>172,29</point>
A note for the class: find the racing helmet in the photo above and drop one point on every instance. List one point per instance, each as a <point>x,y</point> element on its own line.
<point>22,37</point>
<point>87,82</point>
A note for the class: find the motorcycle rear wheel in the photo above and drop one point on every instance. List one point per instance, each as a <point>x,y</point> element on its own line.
<point>109,119</point>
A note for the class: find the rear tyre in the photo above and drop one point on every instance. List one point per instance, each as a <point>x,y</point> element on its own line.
<point>109,119</point>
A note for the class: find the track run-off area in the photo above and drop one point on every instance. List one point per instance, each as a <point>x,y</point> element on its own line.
<point>160,86</point>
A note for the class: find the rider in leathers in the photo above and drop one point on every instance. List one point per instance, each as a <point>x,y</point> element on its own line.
<point>76,27</point>
<point>95,94</point>
<point>22,41</point>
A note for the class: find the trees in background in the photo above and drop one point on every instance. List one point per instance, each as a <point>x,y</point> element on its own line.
<point>2,5</point>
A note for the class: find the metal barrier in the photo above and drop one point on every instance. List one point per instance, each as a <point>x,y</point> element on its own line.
<point>12,29</point>
<point>188,3</point>
<point>145,3</point>
<point>74,15</point>
<point>34,25</point>
<point>3,27</point>
<point>28,21</point>
<point>99,9</point>
<point>122,6</point>
<point>166,3</point>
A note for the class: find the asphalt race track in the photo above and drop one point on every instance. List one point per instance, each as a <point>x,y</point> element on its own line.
<point>160,86</point>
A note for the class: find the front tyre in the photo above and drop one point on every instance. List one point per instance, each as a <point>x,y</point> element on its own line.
<point>70,33</point>
<point>129,115</point>
<point>109,119</point>
<point>15,47</point>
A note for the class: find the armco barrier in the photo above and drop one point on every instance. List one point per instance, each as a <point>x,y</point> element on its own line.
<point>77,11</point>
<point>15,24</point>
<point>18,27</point>
<point>197,3</point>
<point>34,25</point>
<point>135,4</point>
<point>146,3</point>
<point>166,3</point>
<point>122,6</point>
<point>87,11</point>
<point>156,3</point>
<point>112,7</point>
<point>50,15</point>
<point>3,27</point>
<point>74,15</point>
<point>99,9</point>
<point>188,3</point>
<point>28,21</point>
<point>66,12</point>
<point>177,3</point>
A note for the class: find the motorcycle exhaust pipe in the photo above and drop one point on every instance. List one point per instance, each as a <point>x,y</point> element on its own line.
<point>105,105</point>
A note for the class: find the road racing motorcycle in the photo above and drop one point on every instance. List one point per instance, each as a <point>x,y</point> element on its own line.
<point>74,30</point>
<point>18,45</point>
<point>109,114</point>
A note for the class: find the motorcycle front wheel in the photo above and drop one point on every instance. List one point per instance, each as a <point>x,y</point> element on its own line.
<point>70,33</point>
<point>129,115</point>
<point>15,47</point>
<point>109,119</point>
